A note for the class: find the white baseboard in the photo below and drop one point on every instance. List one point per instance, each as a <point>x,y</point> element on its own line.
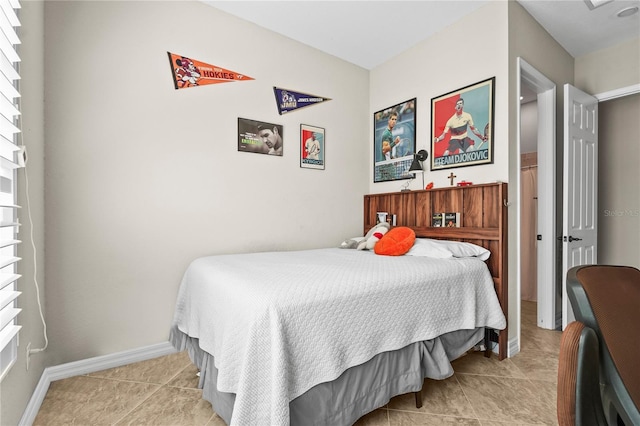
<point>513,347</point>
<point>86,366</point>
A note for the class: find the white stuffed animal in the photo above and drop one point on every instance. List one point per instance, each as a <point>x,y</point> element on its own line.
<point>373,236</point>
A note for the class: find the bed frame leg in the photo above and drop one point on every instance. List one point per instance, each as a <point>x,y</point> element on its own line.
<point>487,343</point>
<point>418,398</point>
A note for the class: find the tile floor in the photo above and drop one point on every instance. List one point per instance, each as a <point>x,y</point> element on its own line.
<point>162,391</point>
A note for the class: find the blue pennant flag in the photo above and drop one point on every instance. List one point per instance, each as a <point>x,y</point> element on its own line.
<point>288,100</point>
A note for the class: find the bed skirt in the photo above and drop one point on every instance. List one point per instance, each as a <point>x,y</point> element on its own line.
<point>359,390</point>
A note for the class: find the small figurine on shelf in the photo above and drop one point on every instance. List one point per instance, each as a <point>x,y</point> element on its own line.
<point>429,185</point>
<point>465,183</point>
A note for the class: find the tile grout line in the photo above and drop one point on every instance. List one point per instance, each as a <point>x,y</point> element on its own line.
<point>423,413</point>
<point>495,375</point>
<point>467,398</point>
<point>143,401</point>
<point>117,379</point>
<point>112,379</point>
<point>138,405</point>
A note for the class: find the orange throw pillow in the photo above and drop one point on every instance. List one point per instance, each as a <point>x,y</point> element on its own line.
<point>396,242</point>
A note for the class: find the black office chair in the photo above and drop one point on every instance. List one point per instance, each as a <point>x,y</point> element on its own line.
<point>606,303</point>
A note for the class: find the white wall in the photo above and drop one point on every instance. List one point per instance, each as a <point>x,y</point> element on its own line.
<point>609,69</point>
<point>142,178</point>
<point>468,51</point>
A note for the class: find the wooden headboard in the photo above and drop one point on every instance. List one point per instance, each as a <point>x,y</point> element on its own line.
<point>483,219</point>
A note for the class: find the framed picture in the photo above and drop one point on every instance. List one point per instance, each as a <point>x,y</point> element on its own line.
<point>259,137</point>
<point>312,146</point>
<point>394,141</point>
<point>462,126</point>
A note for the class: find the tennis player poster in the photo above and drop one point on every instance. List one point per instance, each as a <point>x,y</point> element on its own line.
<point>260,137</point>
<point>311,147</point>
<point>394,141</point>
<point>462,126</point>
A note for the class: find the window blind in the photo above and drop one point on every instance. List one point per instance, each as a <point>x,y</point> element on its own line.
<point>11,158</point>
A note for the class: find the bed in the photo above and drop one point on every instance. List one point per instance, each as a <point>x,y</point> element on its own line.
<point>324,336</point>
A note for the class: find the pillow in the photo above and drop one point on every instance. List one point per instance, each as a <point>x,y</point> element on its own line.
<point>425,247</point>
<point>443,249</point>
<point>463,249</point>
<point>396,242</point>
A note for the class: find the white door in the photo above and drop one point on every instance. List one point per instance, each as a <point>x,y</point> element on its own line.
<point>580,187</point>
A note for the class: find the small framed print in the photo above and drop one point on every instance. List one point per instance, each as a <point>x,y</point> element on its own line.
<point>259,137</point>
<point>312,147</point>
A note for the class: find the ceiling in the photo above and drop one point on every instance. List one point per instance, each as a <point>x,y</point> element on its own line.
<point>369,33</point>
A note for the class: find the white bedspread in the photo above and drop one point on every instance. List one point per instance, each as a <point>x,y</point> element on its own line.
<point>280,323</point>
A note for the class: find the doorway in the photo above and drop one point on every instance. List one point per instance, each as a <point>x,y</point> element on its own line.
<point>541,92</point>
<point>549,305</point>
<point>618,223</point>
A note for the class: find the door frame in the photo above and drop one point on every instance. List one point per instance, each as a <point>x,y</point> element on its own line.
<point>618,93</point>
<point>546,90</point>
